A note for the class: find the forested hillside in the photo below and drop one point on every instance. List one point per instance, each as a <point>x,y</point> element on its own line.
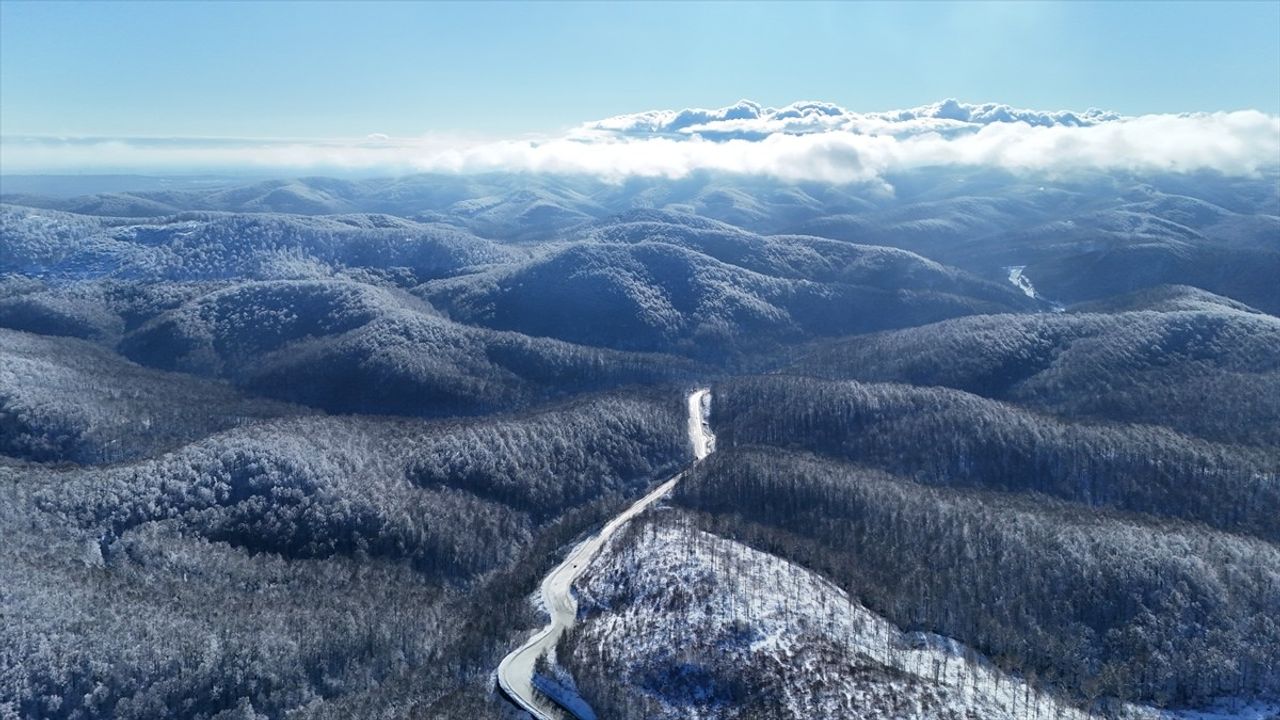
<point>656,296</point>
<point>208,246</point>
<point>950,438</point>
<point>350,347</point>
<point>67,400</point>
<point>683,623</point>
<point>988,444</point>
<point>1093,603</point>
<point>297,562</point>
<point>1177,357</point>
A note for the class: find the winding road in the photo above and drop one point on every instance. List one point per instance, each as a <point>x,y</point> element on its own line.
<point>515,672</point>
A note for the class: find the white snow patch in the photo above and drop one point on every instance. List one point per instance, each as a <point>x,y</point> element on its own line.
<point>1020,281</point>
<point>673,591</point>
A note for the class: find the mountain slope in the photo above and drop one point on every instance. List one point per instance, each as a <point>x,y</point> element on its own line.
<point>949,438</point>
<point>1079,600</point>
<point>235,575</point>
<point>681,623</point>
<point>659,296</point>
<point>205,246</point>
<point>67,400</point>
<point>351,347</point>
<point>1179,357</point>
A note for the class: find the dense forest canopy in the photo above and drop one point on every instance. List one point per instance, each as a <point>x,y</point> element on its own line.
<point>992,444</point>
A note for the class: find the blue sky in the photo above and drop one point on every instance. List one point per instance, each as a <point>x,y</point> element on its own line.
<point>339,70</point>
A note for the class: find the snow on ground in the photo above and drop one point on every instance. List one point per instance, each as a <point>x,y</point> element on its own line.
<point>1020,281</point>
<point>516,671</point>
<point>713,629</point>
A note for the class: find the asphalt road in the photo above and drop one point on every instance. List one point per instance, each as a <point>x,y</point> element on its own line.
<point>515,672</point>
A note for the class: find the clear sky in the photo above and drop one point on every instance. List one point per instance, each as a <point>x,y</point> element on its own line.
<point>330,69</point>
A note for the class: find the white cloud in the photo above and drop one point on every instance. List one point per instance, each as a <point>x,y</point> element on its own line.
<point>748,120</point>
<point>803,141</point>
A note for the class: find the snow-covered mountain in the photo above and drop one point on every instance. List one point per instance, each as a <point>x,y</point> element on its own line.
<point>682,624</point>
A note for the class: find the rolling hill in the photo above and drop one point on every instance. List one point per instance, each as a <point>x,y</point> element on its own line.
<point>1172,356</point>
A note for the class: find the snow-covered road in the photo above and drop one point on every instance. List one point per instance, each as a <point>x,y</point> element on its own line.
<point>515,672</point>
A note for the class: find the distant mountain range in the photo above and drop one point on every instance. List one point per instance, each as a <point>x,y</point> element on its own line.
<point>987,444</point>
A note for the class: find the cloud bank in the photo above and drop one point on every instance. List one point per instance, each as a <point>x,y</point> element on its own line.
<point>811,141</point>
<point>750,121</point>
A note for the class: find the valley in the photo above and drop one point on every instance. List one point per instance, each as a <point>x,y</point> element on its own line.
<point>517,669</point>
<point>993,446</point>
<point>514,360</point>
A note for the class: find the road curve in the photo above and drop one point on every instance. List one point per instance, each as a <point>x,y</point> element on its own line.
<point>515,672</point>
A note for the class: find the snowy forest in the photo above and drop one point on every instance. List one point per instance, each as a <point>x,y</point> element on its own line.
<point>990,446</point>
